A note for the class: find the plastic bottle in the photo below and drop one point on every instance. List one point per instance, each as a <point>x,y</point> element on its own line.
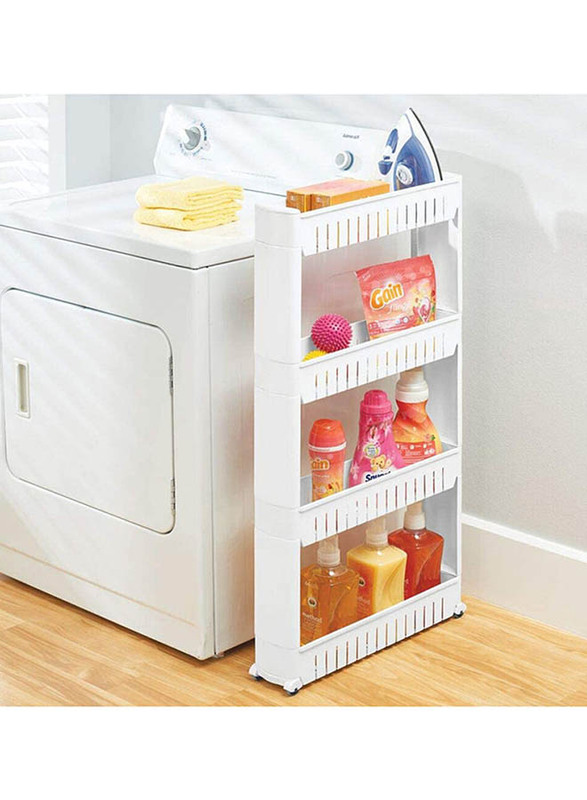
<point>327,448</point>
<point>423,549</point>
<point>329,593</point>
<point>382,570</point>
<point>376,453</point>
<point>414,432</point>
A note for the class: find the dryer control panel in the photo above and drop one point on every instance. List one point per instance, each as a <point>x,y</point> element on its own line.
<point>262,153</point>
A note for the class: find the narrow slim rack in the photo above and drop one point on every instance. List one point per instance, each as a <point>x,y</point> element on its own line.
<point>300,259</point>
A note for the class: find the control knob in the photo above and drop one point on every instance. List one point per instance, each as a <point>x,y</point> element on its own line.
<point>194,137</point>
<point>344,160</point>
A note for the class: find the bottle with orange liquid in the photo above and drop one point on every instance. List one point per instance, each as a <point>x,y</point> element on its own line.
<point>382,570</point>
<point>329,593</point>
<point>423,549</point>
<point>327,448</point>
<point>414,432</point>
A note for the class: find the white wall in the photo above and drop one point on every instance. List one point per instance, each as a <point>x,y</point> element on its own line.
<point>524,163</point>
<point>79,140</point>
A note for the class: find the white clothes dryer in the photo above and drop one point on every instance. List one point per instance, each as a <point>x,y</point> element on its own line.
<point>127,383</point>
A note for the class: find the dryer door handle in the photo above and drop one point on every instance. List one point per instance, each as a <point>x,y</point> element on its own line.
<point>23,400</point>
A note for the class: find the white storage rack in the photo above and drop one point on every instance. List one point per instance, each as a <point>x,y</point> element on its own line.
<point>289,247</point>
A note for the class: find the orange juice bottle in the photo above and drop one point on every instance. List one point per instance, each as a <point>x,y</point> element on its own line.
<point>413,430</point>
<point>329,594</point>
<point>423,548</point>
<point>381,568</point>
<point>327,447</point>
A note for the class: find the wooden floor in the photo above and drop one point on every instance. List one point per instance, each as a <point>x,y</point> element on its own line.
<point>52,653</point>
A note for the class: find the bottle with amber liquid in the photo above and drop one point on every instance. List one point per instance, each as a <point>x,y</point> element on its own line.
<point>381,569</point>
<point>423,548</point>
<point>329,593</point>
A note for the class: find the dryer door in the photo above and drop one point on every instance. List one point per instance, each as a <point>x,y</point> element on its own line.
<point>88,407</point>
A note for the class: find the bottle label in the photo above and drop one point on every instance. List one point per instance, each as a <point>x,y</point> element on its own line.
<point>311,624</point>
<point>327,473</point>
<point>416,451</point>
<point>364,606</point>
<point>415,434</point>
<point>365,598</point>
<point>376,454</point>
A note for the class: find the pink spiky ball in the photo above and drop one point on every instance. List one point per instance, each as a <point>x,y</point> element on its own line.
<point>332,332</point>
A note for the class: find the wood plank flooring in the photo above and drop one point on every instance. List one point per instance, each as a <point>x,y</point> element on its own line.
<point>53,654</point>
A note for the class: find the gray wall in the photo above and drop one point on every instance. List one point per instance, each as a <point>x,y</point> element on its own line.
<point>524,164</point>
<point>79,140</point>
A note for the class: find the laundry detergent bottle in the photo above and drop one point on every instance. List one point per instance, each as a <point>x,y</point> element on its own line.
<point>423,548</point>
<point>329,592</point>
<point>376,453</point>
<point>414,432</point>
<point>382,570</point>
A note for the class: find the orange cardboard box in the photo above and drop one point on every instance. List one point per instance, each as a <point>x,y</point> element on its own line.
<point>344,194</point>
<point>329,193</point>
<point>302,198</point>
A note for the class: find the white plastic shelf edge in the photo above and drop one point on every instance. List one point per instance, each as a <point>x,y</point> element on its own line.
<point>340,512</point>
<point>297,668</point>
<point>380,358</point>
<point>383,215</point>
<point>361,363</point>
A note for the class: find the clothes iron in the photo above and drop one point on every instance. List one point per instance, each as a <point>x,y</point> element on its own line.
<point>409,158</point>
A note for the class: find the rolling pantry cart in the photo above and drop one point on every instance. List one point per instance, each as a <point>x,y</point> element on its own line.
<point>304,267</point>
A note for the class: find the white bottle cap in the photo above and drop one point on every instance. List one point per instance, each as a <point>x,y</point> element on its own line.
<point>415,519</point>
<point>329,552</point>
<point>412,386</point>
<point>376,533</point>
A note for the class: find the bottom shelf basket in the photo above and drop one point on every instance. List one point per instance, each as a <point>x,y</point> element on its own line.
<point>294,668</point>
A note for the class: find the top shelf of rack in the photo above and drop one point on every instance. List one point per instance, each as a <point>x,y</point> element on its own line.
<point>284,235</point>
<point>369,218</point>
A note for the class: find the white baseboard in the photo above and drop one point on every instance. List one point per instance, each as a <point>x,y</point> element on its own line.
<point>526,574</point>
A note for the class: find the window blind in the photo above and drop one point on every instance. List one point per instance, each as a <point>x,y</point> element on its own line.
<point>24,146</point>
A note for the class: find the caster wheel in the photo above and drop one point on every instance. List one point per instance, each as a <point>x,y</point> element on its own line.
<point>257,677</point>
<point>459,610</point>
<point>293,687</point>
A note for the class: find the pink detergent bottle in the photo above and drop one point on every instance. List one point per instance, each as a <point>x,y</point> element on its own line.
<point>376,453</point>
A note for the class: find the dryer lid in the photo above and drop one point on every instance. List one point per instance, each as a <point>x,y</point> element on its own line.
<point>102,216</point>
<point>266,155</point>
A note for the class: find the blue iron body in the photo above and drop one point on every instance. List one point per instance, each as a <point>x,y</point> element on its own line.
<point>409,158</point>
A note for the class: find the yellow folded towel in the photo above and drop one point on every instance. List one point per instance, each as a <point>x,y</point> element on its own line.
<point>190,194</point>
<point>207,207</point>
<point>185,220</point>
